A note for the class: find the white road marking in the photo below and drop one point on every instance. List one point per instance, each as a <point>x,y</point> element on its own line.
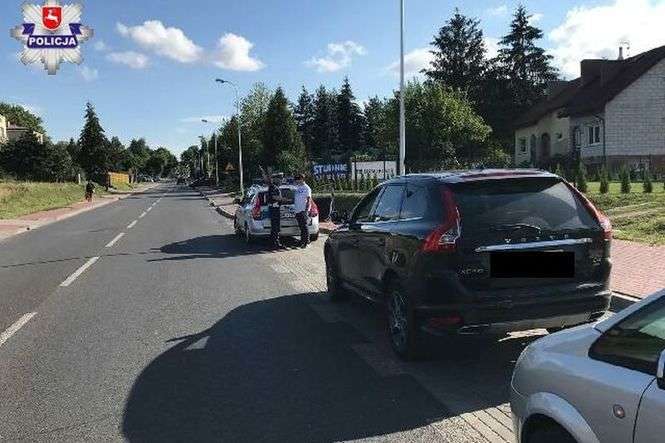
<point>112,242</point>
<point>142,214</point>
<point>132,224</point>
<point>149,209</point>
<point>78,272</point>
<point>15,327</point>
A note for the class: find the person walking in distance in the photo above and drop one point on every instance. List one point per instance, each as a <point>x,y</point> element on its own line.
<point>274,200</point>
<point>89,190</point>
<point>302,204</point>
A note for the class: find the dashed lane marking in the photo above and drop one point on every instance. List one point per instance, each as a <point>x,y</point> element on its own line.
<point>132,224</point>
<point>115,239</point>
<point>143,214</point>
<point>149,209</point>
<point>15,327</point>
<point>78,272</point>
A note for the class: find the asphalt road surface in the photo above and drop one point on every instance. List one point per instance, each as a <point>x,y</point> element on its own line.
<point>147,320</point>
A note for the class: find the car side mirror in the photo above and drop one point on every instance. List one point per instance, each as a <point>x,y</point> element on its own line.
<point>660,370</point>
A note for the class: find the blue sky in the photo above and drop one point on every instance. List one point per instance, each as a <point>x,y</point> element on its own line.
<point>150,67</point>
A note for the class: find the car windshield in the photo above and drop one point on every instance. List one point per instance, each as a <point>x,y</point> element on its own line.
<point>531,203</point>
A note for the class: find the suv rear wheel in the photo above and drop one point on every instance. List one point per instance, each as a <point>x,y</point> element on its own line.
<point>405,336</point>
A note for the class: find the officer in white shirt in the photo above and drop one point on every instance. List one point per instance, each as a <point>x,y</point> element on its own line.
<point>302,202</point>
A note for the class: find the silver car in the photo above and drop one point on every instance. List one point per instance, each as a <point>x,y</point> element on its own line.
<point>595,383</point>
<point>252,219</point>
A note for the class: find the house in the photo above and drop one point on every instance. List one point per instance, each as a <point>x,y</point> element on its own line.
<point>613,113</point>
<point>16,132</point>
<point>3,129</point>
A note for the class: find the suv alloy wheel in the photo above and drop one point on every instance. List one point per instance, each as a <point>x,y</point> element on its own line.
<point>405,338</point>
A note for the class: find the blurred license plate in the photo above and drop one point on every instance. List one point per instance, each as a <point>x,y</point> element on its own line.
<point>532,264</point>
<point>288,215</point>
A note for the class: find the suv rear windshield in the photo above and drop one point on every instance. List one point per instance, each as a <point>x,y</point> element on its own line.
<point>546,203</point>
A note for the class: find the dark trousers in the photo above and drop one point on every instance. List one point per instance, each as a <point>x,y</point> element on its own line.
<point>304,231</point>
<point>275,220</point>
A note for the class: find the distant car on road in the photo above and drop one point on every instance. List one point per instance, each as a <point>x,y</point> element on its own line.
<point>252,220</point>
<point>601,383</point>
<point>485,251</point>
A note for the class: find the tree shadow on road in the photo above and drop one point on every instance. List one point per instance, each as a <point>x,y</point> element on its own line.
<point>272,371</point>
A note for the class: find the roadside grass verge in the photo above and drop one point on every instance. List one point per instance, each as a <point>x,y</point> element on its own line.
<point>22,198</point>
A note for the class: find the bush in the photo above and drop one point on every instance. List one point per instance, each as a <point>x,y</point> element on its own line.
<point>559,170</point>
<point>624,175</point>
<point>580,177</point>
<point>604,181</point>
<point>647,184</point>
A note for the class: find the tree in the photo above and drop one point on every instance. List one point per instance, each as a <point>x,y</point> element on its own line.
<point>139,154</point>
<point>522,64</point>
<point>459,55</point>
<point>624,175</point>
<point>59,162</point>
<point>374,121</point>
<point>349,121</point>
<point>189,158</point>
<point>304,114</point>
<point>604,180</point>
<point>647,183</point>
<point>580,177</point>
<point>441,126</point>
<point>19,116</point>
<point>325,130</point>
<point>28,159</point>
<point>283,147</point>
<point>117,155</point>
<point>93,154</point>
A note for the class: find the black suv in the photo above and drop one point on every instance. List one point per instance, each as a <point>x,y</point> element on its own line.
<point>474,251</point>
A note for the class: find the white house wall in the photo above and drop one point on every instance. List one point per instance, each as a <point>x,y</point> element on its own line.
<point>635,118</point>
<point>549,124</point>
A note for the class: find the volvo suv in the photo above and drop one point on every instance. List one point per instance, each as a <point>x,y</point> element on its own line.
<point>470,252</point>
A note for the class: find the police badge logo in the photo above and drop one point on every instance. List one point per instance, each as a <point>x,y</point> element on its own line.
<point>51,34</point>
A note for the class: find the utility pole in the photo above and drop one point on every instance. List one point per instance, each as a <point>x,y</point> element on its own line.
<point>239,122</point>
<point>402,117</point>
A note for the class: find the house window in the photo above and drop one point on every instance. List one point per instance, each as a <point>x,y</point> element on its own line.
<point>522,143</point>
<point>594,134</point>
<point>577,136</point>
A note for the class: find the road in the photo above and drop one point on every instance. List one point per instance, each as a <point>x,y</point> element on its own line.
<point>176,330</point>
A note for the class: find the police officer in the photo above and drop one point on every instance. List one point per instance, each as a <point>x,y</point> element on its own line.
<point>274,200</point>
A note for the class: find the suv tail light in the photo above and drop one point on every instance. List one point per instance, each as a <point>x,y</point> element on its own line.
<point>602,219</point>
<point>313,209</point>
<point>444,237</point>
<point>256,210</point>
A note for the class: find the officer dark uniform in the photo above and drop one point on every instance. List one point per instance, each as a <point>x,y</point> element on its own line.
<point>274,200</point>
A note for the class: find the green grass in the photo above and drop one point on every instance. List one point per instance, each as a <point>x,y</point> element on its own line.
<point>636,216</point>
<point>123,187</point>
<point>22,198</point>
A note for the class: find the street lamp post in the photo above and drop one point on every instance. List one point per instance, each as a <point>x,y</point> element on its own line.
<point>242,186</point>
<point>402,118</point>
<point>216,158</point>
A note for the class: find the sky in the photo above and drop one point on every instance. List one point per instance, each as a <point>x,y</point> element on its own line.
<point>150,67</point>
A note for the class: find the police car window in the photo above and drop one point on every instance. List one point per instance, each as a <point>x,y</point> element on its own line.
<point>390,204</point>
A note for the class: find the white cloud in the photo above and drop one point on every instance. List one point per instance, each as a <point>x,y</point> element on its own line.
<point>536,17</point>
<point>498,11</point>
<point>168,42</point>
<point>100,46</point>
<point>233,53</point>
<point>597,32</point>
<point>134,60</point>
<point>492,47</point>
<point>338,56</point>
<point>88,74</point>
<point>210,118</point>
<point>414,62</point>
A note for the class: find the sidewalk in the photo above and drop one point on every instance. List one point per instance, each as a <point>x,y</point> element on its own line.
<point>638,270</point>
<point>11,227</point>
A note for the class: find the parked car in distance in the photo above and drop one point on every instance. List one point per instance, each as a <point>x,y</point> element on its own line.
<point>595,383</point>
<point>485,251</point>
<point>252,219</point>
